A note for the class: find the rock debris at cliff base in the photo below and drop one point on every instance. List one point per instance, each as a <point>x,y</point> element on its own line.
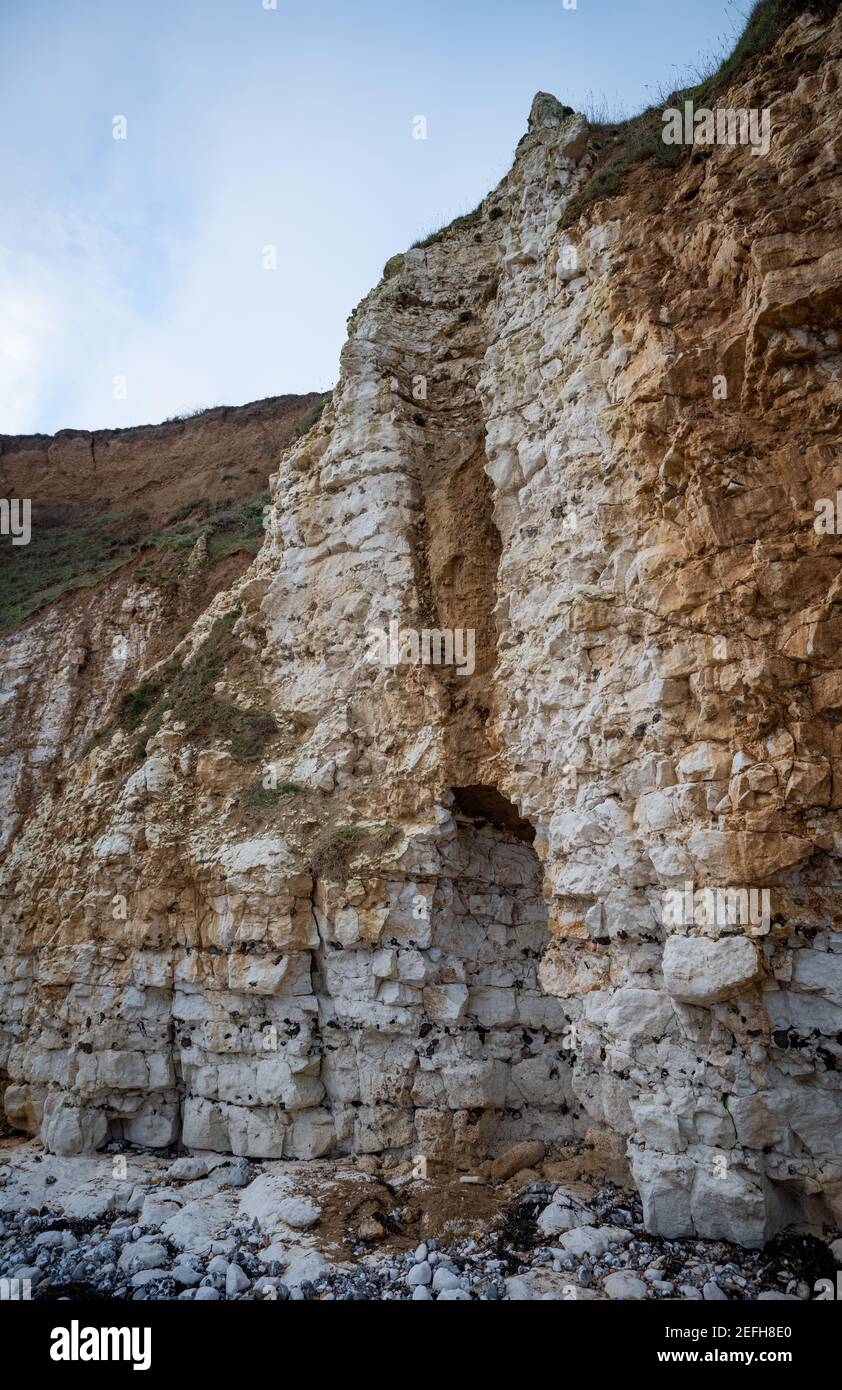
<point>208,1227</point>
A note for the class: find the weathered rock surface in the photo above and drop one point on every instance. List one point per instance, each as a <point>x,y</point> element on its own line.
<point>599,449</point>
<point>699,971</point>
<point>64,669</point>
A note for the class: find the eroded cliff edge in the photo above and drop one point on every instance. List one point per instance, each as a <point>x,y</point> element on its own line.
<point>438,923</point>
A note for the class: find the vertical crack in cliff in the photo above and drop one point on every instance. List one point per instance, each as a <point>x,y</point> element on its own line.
<point>464,549</point>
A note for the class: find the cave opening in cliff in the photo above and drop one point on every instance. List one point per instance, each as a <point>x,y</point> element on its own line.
<point>506,1062</point>
<point>486,805</point>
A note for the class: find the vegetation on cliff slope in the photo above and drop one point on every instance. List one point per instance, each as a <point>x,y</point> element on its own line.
<point>311,416</point>
<point>189,692</point>
<point>85,548</point>
<point>628,143</point>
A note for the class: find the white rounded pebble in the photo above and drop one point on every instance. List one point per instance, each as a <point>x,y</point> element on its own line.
<point>235,1280</point>
<point>624,1284</point>
<point>298,1212</point>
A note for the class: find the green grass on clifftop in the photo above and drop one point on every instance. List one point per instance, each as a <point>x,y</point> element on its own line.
<point>640,137</point>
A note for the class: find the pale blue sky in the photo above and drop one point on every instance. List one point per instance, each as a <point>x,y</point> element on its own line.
<point>250,127</point>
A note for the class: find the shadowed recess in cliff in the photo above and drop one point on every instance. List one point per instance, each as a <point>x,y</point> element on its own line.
<point>463,555</point>
<point>488,806</point>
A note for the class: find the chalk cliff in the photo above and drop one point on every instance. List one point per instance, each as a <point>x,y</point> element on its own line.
<point>298,902</point>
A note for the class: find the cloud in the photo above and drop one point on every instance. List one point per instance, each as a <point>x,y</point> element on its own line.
<point>28,332</point>
<point>61,300</point>
<point>179,306</point>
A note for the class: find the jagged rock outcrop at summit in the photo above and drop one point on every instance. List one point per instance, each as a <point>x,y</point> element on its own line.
<point>438,926</point>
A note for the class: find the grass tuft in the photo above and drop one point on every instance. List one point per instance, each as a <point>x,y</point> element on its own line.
<point>336,849</point>
<point>257,799</point>
<point>467,219</point>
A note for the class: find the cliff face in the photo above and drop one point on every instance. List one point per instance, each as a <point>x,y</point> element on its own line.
<point>151,469</point>
<point>304,902</point>
<point>113,573</point>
